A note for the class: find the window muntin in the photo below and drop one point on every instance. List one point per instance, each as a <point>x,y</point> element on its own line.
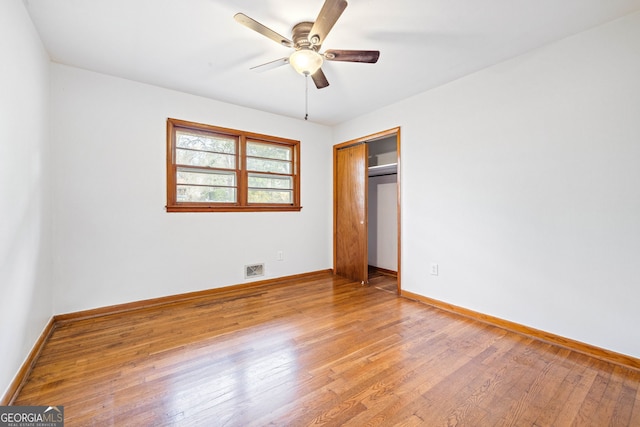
<point>204,158</point>
<point>268,165</point>
<point>217,169</point>
<point>270,181</point>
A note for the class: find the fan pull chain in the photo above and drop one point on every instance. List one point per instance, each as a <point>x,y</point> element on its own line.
<point>306,96</point>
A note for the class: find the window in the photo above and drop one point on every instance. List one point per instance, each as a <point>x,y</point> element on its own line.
<point>215,169</point>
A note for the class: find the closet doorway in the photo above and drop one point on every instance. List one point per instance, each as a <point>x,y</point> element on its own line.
<point>366,207</point>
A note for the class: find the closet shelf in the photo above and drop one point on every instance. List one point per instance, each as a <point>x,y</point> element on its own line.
<point>389,169</point>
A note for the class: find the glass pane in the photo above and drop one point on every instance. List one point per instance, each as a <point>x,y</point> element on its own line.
<point>190,193</point>
<point>201,158</point>
<point>270,196</point>
<point>205,142</point>
<point>186,176</point>
<point>268,181</point>
<point>270,151</point>
<point>262,165</point>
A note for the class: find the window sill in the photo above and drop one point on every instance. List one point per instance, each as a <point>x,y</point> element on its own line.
<point>209,208</point>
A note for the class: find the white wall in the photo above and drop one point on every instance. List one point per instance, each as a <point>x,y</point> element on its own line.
<point>383,221</point>
<point>25,220</point>
<point>522,182</point>
<point>113,240</point>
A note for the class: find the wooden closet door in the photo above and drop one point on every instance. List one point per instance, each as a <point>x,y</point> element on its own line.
<point>350,212</point>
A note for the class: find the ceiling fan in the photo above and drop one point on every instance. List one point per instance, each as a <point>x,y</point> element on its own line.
<point>307,40</point>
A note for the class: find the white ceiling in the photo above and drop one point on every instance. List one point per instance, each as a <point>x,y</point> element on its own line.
<point>195,46</point>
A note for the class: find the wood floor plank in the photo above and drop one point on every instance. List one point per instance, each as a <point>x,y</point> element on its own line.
<point>321,350</point>
<point>589,410</point>
<point>628,400</point>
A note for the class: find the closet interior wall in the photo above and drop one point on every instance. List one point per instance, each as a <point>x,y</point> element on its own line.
<point>383,204</point>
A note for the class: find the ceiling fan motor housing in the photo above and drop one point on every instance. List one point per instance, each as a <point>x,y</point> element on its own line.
<point>300,36</point>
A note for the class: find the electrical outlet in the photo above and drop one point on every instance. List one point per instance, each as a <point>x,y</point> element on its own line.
<point>434,269</point>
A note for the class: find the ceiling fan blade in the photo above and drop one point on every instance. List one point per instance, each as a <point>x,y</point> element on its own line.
<point>265,31</point>
<point>320,79</point>
<point>329,14</point>
<point>270,65</point>
<point>368,56</point>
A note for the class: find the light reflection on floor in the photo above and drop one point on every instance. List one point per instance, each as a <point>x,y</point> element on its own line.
<point>260,362</point>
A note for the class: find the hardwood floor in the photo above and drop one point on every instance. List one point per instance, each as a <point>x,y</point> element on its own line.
<point>384,280</point>
<point>319,351</point>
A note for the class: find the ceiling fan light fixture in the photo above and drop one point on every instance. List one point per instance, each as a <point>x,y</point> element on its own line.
<point>306,61</point>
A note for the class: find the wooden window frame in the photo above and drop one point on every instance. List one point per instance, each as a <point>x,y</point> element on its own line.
<point>242,174</point>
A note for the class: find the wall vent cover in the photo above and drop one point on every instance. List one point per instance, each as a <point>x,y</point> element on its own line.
<point>253,270</point>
